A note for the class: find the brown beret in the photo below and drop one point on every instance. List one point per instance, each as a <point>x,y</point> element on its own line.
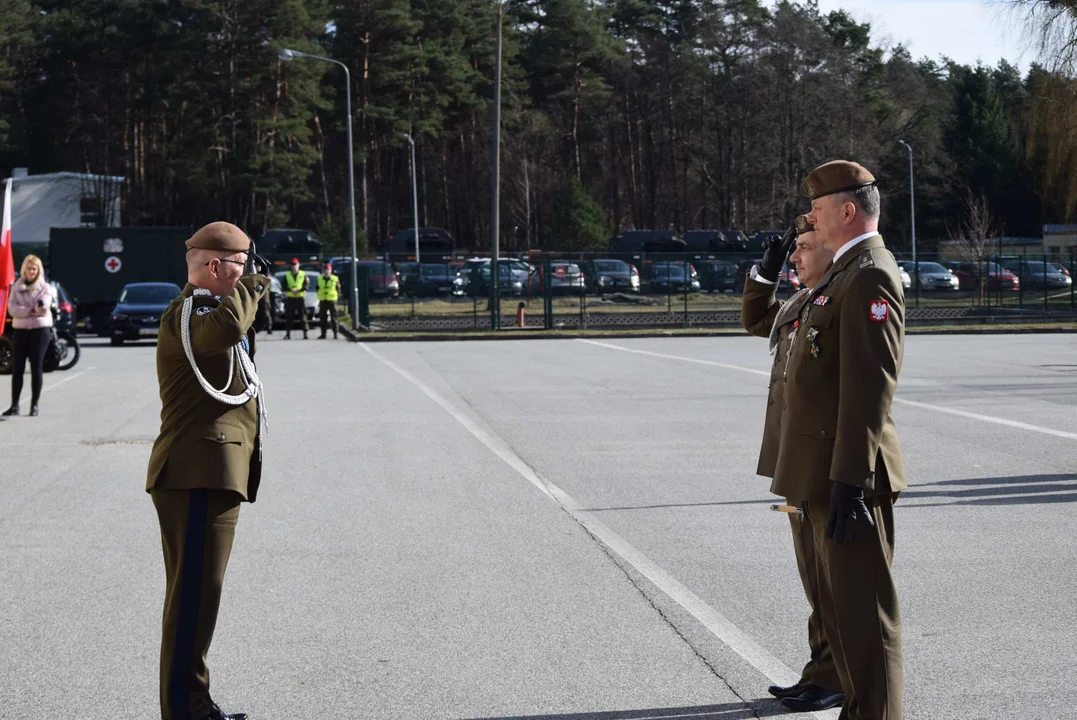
<point>222,236</point>
<point>803,226</point>
<point>835,177</point>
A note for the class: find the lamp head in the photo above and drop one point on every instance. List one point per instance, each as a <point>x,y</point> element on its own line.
<point>286,55</point>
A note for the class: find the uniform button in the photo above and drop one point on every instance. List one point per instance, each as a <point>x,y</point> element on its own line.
<point>221,437</point>
<point>822,433</point>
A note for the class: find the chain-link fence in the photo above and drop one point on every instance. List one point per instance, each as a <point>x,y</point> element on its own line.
<point>678,290</point>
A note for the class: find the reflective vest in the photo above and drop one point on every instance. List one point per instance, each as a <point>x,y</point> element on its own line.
<point>295,284</point>
<point>328,287</point>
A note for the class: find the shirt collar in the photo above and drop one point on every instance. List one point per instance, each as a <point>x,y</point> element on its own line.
<point>849,245</point>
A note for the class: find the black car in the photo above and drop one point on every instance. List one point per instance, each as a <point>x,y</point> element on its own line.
<point>137,315</point>
<point>1036,275</point>
<point>429,280</point>
<point>602,276</point>
<point>673,277</point>
<point>716,276</point>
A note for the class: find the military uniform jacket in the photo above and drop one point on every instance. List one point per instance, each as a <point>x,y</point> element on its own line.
<point>840,382</point>
<point>763,316</point>
<point>205,443</point>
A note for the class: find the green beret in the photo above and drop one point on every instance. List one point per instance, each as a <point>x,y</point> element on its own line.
<point>835,177</point>
<point>222,236</point>
<point>803,226</point>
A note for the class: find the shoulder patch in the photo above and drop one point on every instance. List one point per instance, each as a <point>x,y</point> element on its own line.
<point>867,261</point>
<point>204,310</point>
<point>879,311</point>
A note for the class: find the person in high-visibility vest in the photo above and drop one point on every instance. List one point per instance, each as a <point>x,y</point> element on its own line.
<point>296,284</point>
<point>328,292</point>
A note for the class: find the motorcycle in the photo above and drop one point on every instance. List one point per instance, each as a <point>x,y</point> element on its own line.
<point>62,353</point>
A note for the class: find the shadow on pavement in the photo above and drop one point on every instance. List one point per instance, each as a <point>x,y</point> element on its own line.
<point>726,711</point>
<point>1013,490</point>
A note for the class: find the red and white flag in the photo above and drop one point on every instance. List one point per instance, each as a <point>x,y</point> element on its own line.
<point>7,262</point>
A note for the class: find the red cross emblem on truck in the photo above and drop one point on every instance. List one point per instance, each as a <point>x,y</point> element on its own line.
<point>113,263</point>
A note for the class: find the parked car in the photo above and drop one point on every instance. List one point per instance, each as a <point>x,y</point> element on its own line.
<point>66,309</point>
<point>669,277</point>
<point>716,276</point>
<point>603,276</point>
<point>969,275</point>
<point>906,278</point>
<point>310,297</point>
<point>429,280</point>
<point>566,277</point>
<point>1037,275</point>
<point>932,276</point>
<point>479,279</point>
<point>137,314</point>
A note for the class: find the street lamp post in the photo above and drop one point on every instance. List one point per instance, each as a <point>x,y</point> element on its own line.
<point>414,194</point>
<point>495,214</point>
<point>288,56</point>
<point>912,220</point>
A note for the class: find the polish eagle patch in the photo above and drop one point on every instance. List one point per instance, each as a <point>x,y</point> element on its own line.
<point>879,311</point>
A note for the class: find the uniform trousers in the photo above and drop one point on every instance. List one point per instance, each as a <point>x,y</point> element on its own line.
<point>197,529</point>
<point>327,309</point>
<point>294,307</point>
<point>820,669</point>
<point>29,344</point>
<point>264,319</point>
<point>860,612</point>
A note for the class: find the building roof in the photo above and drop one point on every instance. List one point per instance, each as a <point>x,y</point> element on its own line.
<point>50,177</point>
<point>997,241</point>
<point>1060,229</point>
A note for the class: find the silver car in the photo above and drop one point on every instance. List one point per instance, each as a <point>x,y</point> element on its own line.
<point>931,276</point>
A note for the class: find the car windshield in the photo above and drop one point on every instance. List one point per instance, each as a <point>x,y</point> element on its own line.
<point>435,271</point>
<point>378,268</point>
<point>669,270</point>
<point>1054,267</point>
<point>724,270</point>
<point>149,294</point>
<point>610,266</point>
<point>931,267</point>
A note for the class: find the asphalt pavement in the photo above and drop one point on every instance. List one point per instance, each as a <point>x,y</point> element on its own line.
<point>541,530</point>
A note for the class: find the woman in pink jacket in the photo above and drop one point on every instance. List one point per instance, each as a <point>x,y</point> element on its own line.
<point>30,306</point>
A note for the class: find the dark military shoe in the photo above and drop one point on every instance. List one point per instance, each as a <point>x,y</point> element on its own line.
<point>813,699</point>
<point>792,691</point>
<point>215,713</point>
<point>11,411</point>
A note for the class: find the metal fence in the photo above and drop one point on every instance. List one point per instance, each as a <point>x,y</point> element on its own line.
<point>677,290</point>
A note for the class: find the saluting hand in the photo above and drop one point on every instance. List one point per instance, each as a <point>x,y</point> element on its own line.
<point>775,252</point>
<point>848,513</point>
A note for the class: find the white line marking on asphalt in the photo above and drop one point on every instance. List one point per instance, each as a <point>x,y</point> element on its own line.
<point>720,626</point>
<point>67,379</point>
<point>901,401</point>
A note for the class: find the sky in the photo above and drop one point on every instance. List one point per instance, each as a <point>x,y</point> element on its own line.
<point>963,30</point>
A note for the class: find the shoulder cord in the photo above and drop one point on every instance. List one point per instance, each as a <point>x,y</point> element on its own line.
<point>254,388</point>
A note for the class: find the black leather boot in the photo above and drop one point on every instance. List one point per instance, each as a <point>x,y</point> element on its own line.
<point>11,411</point>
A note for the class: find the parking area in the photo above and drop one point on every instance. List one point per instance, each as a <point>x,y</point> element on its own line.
<point>555,529</point>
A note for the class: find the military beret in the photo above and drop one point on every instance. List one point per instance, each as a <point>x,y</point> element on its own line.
<point>803,225</point>
<point>222,236</point>
<point>835,177</point>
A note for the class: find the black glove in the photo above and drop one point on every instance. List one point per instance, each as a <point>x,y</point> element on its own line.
<point>261,265</point>
<point>775,252</point>
<point>848,513</point>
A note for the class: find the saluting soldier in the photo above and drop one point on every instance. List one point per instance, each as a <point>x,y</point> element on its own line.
<point>207,458</point>
<point>762,315</point>
<point>839,456</point>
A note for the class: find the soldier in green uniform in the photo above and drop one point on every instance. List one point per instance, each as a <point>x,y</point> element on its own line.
<point>839,456</point>
<point>762,315</point>
<point>265,306</point>
<point>207,458</point>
